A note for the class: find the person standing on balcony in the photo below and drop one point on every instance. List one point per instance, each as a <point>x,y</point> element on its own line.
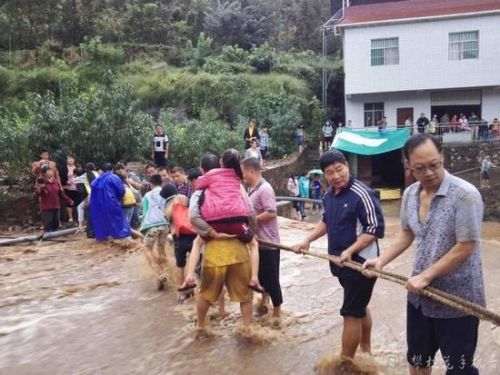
<point>422,123</point>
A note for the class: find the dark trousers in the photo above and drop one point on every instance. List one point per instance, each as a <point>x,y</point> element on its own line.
<point>160,159</point>
<point>269,274</point>
<point>50,219</point>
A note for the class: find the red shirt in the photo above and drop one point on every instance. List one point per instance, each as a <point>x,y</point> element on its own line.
<point>50,195</point>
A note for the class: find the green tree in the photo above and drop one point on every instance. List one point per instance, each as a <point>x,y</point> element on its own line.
<point>238,23</point>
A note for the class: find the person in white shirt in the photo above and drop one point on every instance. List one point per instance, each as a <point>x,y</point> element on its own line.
<point>160,147</point>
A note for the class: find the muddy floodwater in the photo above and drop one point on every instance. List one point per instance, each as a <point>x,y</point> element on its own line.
<point>76,307</point>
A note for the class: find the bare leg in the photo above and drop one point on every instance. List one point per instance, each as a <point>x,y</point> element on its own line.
<point>277,312</point>
<point>351,336</point>
<point>152,261</point>
<point>246,313</point>
<point>179,272</point>
<point>161,242</point>
<point>366,331</point>
<point>69,210</point>
<point>222,305</point>
<point>254,261</point>
<point>202,307</point>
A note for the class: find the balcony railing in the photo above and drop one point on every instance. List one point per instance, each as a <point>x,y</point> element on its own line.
<point>454,132</point>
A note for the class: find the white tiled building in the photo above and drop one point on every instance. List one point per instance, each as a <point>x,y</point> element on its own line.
<point>421,56</point>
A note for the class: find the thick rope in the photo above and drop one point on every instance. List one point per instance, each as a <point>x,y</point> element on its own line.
<point>447,299</point>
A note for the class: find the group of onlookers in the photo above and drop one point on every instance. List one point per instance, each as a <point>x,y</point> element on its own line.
<point>306,186</point>
<point>479,128</point>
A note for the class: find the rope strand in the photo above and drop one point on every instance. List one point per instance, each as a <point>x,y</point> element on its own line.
<point>447,299</point>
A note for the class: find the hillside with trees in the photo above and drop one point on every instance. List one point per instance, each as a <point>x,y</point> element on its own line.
<point>91,77</point>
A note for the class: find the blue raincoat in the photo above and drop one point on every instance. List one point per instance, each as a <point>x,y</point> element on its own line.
<point>108,218</point>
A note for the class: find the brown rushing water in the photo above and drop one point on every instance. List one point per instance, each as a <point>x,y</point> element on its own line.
<point>76,307</point>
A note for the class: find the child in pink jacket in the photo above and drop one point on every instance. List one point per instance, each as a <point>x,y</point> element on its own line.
<point>225,206</point>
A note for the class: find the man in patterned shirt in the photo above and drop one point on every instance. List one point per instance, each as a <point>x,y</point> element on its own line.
<point>444,214</point>
<point>181,181</point>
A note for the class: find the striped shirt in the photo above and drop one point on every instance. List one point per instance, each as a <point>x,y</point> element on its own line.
<point>351,212</point>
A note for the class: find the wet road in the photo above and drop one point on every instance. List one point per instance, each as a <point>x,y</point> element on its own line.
<point>76,307</point>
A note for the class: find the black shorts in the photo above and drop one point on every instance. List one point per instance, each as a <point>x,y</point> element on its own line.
<point>182,246</point>
<point>485,175</point>
<point>327,139</point>
<point>269,274</point>
<point>357,293</point>
<point>456,338</point>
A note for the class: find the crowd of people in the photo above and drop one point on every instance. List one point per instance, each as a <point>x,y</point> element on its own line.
<point>216,214</point>
<point>480,129</point>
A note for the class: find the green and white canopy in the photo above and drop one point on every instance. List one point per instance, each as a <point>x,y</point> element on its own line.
<point>367,142</point>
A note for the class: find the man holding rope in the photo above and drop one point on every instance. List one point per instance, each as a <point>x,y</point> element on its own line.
<point>444,214</point>
<point>353,221</point>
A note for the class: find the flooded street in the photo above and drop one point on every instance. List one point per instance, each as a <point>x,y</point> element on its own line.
<point>76,307</point>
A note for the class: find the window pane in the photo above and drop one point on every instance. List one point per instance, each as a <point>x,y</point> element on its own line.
<point>384,51</point>
<point>463,45</point>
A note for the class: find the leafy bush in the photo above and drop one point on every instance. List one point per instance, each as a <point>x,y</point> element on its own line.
<point>98,123</point>
<point>190,140</point>
<point>262,58</point>
<point>196,55</point>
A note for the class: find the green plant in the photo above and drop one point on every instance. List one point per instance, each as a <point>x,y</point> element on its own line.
<point>262,58</point>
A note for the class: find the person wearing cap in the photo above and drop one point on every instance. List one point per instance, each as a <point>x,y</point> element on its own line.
<point>155,227</point>
<point>353,222</point>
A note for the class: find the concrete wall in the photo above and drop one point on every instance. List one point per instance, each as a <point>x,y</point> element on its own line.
<point>278,176</point>
<point>419,101</point>
<point>423,57</point>
<point>460,158</point>
<point>490,103</point>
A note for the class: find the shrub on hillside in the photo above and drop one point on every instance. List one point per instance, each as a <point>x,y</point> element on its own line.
<point>190,140</point>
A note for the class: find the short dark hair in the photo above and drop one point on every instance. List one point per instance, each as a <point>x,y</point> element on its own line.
<point>178,169</point>
<point>251,163</point>
<point>193,174</point>
<point>149,165</point>
<point>331,157</point>
<point>79,171</point>
<point>106,167</point>
<point>209,162</point>
<point>162,169</point>
<point>416,140</point>
<point>119,166</point>
<point>155,180</point>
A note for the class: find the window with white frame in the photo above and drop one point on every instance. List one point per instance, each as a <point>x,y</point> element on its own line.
<point>374,112</point>
<point>463,45</point>
<point>385,51</point>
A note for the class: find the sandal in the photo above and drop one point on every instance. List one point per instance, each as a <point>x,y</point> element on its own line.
<point>186,288</point>
<point>257,288</point>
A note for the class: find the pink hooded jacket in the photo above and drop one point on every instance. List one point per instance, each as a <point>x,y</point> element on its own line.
<point>223,199</point>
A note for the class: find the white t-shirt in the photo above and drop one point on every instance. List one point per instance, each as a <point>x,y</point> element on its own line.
<point>160,142</point>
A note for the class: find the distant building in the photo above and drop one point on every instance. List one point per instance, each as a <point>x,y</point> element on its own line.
<point>403,58</point>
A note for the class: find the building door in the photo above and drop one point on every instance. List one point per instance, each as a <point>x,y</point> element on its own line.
<point>403,114</point>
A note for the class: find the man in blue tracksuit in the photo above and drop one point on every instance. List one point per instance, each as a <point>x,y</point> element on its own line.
<point>353,221</point>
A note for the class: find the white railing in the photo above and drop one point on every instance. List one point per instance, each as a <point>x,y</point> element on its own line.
<point>453,132</point>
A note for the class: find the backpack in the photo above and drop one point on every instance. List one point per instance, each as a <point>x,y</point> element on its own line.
<point>180,219</point>
<point>128,199</point>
